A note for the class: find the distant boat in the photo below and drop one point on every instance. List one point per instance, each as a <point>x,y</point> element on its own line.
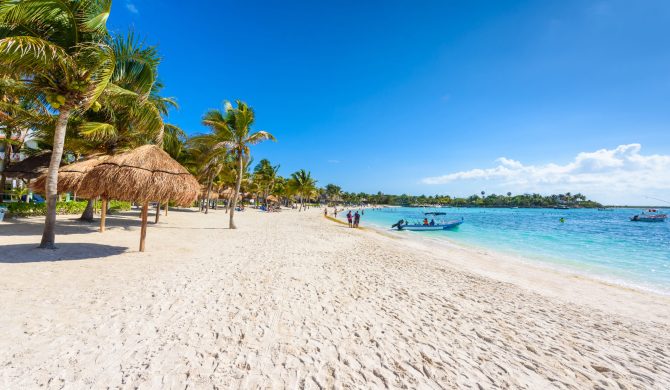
<point>605,209</point>
<point>561,207</point>
<point>651,215</point>
<point>420,227</point>
<point>435,213</point>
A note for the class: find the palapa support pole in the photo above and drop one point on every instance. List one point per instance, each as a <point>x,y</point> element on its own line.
<point>143,232</point>
<point>166,207</point>
<point>103,214</point>
<point>158,211</point>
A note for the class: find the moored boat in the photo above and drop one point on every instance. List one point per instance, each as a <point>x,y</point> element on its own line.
<point>427,226</point>
<point>651,215</point>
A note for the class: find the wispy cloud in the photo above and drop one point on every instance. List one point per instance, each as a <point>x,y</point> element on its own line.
<point>333,161</point>
<point>610,172</point>
<point>132,8</point>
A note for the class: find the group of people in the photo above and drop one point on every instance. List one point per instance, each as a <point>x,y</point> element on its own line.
<point>426,223</point>
<point>354,219</point>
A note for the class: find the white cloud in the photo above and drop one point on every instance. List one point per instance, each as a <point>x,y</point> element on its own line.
<point>333,161</point>
<point>130,6</point>
<point>616,175</point>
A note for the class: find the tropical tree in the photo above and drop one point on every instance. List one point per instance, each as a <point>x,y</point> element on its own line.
<point>333,192</point>
<point>303,184</point>
<point>265,175</point>
<point>60,50</point>
<point>231,131</point>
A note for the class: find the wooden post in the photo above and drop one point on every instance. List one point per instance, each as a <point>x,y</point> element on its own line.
<point>166,207</point>
<point>103,214</point>
<point>158,211</point>
<point>143,232</point>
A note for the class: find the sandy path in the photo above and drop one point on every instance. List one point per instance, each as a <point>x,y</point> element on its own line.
<point>292,300</point>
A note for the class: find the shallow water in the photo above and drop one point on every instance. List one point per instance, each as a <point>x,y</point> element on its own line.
<point>601,244</point>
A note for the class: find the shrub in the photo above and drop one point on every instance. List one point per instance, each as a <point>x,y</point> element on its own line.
<point>115,206</point>
<point>22,209</point>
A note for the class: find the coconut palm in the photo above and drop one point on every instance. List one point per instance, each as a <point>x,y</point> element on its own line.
<point>59,48</point>
<point>265,175</point>
<point>303,184</point>
<point>231,131</point>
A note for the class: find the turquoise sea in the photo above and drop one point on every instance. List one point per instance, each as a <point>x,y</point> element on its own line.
<point>600,244</point>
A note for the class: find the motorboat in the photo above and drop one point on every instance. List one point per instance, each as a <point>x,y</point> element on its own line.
<point>427,226</point>
<point>651,215</point>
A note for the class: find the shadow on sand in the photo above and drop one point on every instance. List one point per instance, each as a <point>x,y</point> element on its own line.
<point>29,253</point>
<point>71,225</point>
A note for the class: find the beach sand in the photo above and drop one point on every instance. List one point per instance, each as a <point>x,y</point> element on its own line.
<point>293,300</point>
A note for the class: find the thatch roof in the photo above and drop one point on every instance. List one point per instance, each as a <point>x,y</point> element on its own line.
<point>272,199</point>
<point>212,194</point>
<point>30,168</point>
<point>142,175</point>
<point>228,192</point>
<point>71,176</point>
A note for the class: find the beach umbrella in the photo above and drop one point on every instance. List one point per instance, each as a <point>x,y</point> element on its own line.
<point>272,199</point>
<point>212,195</point>
<point>228,192</point>
<point>142,175</point>
<point>70,178</point>
<point>30,168</point>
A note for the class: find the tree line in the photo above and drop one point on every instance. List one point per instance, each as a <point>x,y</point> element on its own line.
<point>335,193</point>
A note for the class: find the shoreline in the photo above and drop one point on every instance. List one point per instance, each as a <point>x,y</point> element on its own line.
<point>556,281</point>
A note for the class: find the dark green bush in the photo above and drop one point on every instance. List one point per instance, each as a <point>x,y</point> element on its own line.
<point>22,209</point>
<point>115,206</point>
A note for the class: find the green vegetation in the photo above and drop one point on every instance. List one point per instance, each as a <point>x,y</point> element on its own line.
<point>23,209</point>
<point>492,200</point>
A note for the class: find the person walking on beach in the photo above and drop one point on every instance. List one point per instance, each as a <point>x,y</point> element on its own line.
<point>325,212</point>
<point>349,219</point>
<point>357,219</point>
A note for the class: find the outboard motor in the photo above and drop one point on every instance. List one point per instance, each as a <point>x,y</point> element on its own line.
<point>398,224</point>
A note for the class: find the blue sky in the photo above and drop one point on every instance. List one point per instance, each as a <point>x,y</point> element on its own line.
<point>426,97</point>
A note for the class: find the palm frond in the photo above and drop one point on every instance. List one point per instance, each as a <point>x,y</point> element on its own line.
<point>34,55</point>
<point>97,131</point>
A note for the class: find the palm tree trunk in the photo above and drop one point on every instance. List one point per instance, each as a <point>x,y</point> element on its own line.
<point>231,224</point>
<point>87,215</point>
<point>49,233</point>
<point>209,190</point>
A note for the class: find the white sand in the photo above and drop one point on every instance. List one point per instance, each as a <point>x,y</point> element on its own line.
<point>293,300</point>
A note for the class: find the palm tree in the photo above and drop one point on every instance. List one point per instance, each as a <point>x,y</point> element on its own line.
<point>303,184</point>
<point>333,192</point>
<point>231,131</point>
<point>127,114</point>
<point>265,175</point>
<point>60,50</point>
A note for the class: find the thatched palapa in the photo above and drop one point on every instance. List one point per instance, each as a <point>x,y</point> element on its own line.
<point>71,176</point>
<point>142,175</point>
<point>212,194</point>
<point>30,168</point>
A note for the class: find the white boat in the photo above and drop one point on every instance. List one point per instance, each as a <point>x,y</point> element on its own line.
<point>652,215</point>
<point>425,227</point>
